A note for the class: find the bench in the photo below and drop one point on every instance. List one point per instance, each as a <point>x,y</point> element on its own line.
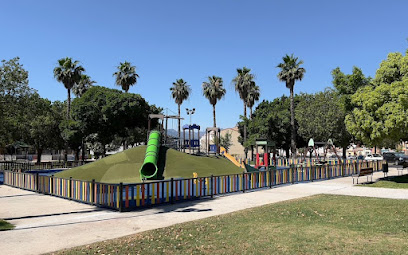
<point>364,172</point>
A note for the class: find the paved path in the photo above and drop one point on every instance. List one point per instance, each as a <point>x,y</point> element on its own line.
<point>46,224</point>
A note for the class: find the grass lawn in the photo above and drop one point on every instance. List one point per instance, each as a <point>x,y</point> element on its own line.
<point>124,166</point>
<point>323,224</point>
<point>394,182</point>
<point>4,225</point>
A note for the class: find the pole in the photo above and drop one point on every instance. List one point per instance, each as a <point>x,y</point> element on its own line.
<point>121,197</point>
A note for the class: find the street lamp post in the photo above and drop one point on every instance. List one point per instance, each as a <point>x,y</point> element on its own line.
<point>190,112</point>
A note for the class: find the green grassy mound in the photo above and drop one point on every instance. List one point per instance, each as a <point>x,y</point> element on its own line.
<point>124,166</point>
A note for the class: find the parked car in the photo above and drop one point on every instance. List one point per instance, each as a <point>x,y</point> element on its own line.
<point>351,157</point>
<point>373,157</point>
<point>400,158</point>
<point>390,156</point>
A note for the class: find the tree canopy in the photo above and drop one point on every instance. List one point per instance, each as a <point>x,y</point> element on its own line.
<point>321,116</point>
<point>111,114</point>
<point>380,113</point>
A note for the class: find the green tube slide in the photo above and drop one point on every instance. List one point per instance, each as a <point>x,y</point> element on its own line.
<point>149,167</point>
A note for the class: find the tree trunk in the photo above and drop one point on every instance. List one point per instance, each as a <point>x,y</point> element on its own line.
<point>287,152</point>
<point>76,154</point>
<point>104,150</point>
<point>245,129</point>
<point>215,122</point>
<point>179,123</point>
<point>66,153</point>
<point>69,104</point>
<point>250,113</point>
<point>83,150</point>
<point>39,153</point>
<point>292,123</point>
<point>344,152</point>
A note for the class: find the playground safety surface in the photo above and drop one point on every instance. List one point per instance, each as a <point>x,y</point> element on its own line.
<point>45,224</point>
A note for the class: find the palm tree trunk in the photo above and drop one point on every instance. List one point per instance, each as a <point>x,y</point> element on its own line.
<point>69,104</point>
<point>245,128</point>
<point>250,113</point>
<point>179,122</point>
<point>215,122</point>
<point>292,123</point>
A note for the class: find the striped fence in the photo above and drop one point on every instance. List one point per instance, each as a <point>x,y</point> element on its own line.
<point>41,166</point>
<point>125,197</point>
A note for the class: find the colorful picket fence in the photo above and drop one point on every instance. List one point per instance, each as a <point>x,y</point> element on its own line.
<point>40,166</point>
<point>138,195</point>
<point>306,162</point>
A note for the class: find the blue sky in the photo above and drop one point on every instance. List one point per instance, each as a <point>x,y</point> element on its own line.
<point>167,40</point>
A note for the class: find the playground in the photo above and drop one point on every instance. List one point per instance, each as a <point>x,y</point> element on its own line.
<point>160,159</point>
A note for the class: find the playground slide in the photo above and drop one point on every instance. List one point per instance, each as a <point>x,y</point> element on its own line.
<point>149,167</point>
<point>231,158</point>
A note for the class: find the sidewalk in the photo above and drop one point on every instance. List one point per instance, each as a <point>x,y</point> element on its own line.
<point>46,224</point>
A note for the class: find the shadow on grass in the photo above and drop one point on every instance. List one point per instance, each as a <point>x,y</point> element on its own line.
<point>396,179</point>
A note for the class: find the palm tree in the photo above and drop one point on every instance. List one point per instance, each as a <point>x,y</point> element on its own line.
<point>253,96</point>
<point>242,83</point>
<point>83,85</point>
<point>69,73</point>
<point>126,75</point>
<point>213,90</point>
<point>290,73</point>
<point>180,91</point>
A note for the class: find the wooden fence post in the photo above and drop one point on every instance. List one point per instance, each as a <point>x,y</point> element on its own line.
<point>93,191</point>
<point>37,186</point>
<point>70,188</point>
<point>51,185</point>
<point>212,186</point>
<point>270,178</point>
<point>292,170</point>
<point>171,191</point>
<point>328,171</point>
<point>243,182</point>
<point>121,197</point>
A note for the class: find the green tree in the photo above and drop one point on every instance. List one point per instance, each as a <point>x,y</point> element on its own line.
<point>242,83</point>
<point>213,90</point>
<point>43,126</point>
<point>252,97</point>
<point>69,73</point>
<point>109,114</point>
<point>83,85</point>
<point>290,72</point>
<point>180,91</point>
<point>126,75</point>
<point>226,141</point>
<point>347,84</point>
<point>14,101</point>
<point>394,68</point>
<point>380,113</point>
<point>321,116</point>
<point>271,120</point>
